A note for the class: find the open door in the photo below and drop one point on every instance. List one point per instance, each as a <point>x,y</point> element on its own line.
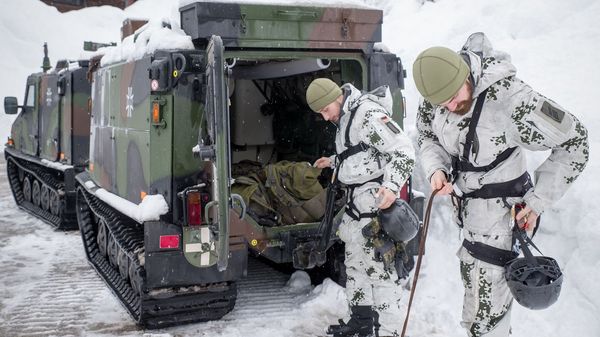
<point>214,147</point>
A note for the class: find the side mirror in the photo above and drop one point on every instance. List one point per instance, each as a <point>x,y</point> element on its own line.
<point>10,105</point>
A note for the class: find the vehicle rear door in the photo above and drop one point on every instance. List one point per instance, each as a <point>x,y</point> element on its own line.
<point>218,148</point>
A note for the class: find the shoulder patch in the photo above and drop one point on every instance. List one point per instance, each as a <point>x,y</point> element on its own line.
<point>555,123</point>
<point>553,112</point>
<point>390,124</point>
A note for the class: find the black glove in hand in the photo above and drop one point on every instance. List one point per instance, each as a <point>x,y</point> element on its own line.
<point>385,251</point>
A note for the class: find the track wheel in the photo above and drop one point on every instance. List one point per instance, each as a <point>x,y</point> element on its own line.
<point>35,192</point>
<point>21,174</point>
<point>27,189</point>
<point>123,262</point>
<point>113,250</point>
<point>45,198</point>
<point>135,276</point>
<point>54,203</point>
<point>102,238</point>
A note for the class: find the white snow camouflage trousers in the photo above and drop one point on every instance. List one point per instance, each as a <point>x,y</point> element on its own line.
<point>368,283</point>
<point>487,298</point>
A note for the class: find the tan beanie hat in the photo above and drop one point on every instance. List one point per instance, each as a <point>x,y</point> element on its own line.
<point>321,92</point>
<point>439,73</point>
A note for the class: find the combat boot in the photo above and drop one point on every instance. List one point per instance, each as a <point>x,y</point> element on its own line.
<point>361,323</point>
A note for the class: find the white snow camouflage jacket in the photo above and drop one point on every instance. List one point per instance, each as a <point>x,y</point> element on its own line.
<point>390,151</point>
<point>513,115</point>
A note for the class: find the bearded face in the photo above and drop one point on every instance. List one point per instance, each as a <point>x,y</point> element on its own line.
<point>464,99</point>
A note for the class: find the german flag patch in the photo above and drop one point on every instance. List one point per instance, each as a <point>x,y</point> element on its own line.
<point>390,124</point>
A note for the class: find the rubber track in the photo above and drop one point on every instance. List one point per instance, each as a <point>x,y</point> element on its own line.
<point>151,312</point>
<point>67,220</point>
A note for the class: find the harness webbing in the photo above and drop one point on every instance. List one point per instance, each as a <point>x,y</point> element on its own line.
<point>473,124</point>
<point>351,150</point>
<point>514,188</point>
<point>351,208</point>
<point>462,163</point>
<point>489,254</point>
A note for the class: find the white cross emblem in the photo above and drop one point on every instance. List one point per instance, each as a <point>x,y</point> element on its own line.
<point>129,106</point>
<point>49,97</point>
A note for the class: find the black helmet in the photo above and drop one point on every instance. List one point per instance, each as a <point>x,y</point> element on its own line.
<point>534,281</point>
<point>399,221</point>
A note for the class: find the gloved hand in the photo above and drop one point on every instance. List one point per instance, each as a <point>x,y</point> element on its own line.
<point>401,262</point>
<point>372,229</point>
<point>385,251</point>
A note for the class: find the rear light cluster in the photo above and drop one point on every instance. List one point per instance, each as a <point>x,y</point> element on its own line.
<point>169,242</point>
<point>195,202</point>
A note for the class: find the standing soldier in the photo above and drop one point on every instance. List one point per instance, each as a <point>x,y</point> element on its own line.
<point>374,159</point>
<point>474,122</point>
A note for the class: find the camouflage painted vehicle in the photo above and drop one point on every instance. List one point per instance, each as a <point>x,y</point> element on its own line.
<point>49,141</point>
<point>175,122</point>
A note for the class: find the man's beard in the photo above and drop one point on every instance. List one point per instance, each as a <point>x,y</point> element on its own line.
<point>465,106</point>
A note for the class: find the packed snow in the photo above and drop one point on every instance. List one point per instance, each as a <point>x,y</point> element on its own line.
<point>154,35</point>
<point>553,44</point>
<point>151,207</point>
<point>56,165</point>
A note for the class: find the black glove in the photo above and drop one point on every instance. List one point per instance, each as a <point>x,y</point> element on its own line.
<point>404,262</point>
<point>385,251</point>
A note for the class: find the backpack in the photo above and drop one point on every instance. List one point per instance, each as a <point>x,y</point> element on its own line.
<point>283,193</point>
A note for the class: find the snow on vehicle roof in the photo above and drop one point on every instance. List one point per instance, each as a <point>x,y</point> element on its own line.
<point>308,3</point>
<point>155,35</point>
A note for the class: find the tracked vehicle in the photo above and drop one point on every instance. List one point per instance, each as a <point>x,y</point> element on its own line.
<point>49,141</point>
<point>158,218</point>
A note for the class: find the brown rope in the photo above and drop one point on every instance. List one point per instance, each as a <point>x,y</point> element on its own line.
<point>419,258</point>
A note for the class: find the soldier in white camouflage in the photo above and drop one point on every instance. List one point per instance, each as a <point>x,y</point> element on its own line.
<point>374,159</point>
<point>473,124</point>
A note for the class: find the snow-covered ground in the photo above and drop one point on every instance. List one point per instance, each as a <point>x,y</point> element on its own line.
<point>47,288</point>
<point>554,47</point>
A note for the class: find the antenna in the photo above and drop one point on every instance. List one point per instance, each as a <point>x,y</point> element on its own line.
<point>46,62</point>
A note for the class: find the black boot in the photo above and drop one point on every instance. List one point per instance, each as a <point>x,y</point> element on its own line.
<point>360,323</point>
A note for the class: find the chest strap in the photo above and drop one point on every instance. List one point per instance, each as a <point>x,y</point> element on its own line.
<point>350,149</point>
<point>465,166</point>
<point>513,188</point>
<point>462,164</point>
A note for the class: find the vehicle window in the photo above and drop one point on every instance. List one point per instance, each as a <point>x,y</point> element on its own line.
<point>30,99</point>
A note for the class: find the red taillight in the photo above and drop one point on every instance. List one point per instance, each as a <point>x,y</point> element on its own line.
<point>404,192</point>
<point>194,209</point>
<point>169,241</point>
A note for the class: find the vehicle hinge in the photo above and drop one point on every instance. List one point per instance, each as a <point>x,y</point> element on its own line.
<point>243,24</point>
<point>345,28</point>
